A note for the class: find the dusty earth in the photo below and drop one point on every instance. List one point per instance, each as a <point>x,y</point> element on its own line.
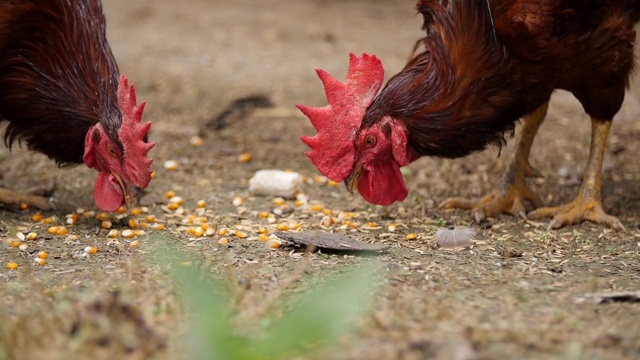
<point>519,292</point>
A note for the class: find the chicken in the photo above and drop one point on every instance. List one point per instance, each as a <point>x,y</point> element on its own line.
<point>485,65</point>
<point>61,94</point>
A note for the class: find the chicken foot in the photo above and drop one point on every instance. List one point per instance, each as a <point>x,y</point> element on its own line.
<point>588,204</point>
<point>513,190</point>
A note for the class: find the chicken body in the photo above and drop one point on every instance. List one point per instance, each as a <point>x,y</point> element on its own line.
<point>485,65</point>
<point>62,95</point>
<point>530,48</point>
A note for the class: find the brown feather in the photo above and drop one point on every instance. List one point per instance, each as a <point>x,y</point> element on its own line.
<point>58,76</point>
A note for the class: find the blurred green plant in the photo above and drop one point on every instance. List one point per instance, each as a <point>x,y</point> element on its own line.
<point>310,321</point>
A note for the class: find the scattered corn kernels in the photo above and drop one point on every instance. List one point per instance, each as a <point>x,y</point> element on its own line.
<point>121,210</point>
<point>199,231</point>
<point>327,221</point>
<point>13,242</point>
<point>134,244</point>
<point>62,231</point>
<point>143,225</point>
<point>241,234</point>
<point>223,232</point>
<point>37,217</point>
<point>48,220</point>
<point>23,246</point>
<point>296,226</point>
<point>316,208</point>
<point>263,214</point>
<point>263,237</point>
<point>237,201</point>
<point>113,234</point>
<point>332,183</point>
<point>201,204</point>
<point>91,250</point>
<point>127,233</point>
<point>20,236</point>
<point>159,227</point>
<point>12,266</point>
<point>135,212</point>
<point>106,224</point>
<point>150,218</point>
<point>263,230</point>
<point>273,243</point>
<point>138,232</point>
<point>176,200</point>
<point>24,206</point>
<point>173,206</point>
<point>102,216</point>
<point>153,174</point>
<point>53,229</point>
<point>169,194</point>
<point>40,261</point>
<point>244,158</point>
<point>282,227</point>
<point>133,223</point>
<point>196,140</point>
<point>223,241</point>
<point>278,201</point>
<point>327,211</point>
<point>171,165</point>
<point>411,236</point>
<point>43,255</point>
<point>392,227</point>
<point>32,236</point>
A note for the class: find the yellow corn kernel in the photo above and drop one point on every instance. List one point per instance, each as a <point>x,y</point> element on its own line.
<point>282,227</point>
<point>143,225</point>
<point>244,158</point>
<point>201,204</point>
<point>32,236</point>
<point>121,210</point>
<point>241,234</point>
<point>237,201</point>
<point>37,217</point>
<point>13,243</point>
<point>20,236</point>
<point>273,243</point>
<point>316,208</point>
<point>371,224</point>
<point>153,174</point>
<point>222,232</point>
<point>263,230</point>
<point>332,183</point>
<point>113,234</point>
<point>223,241</point>
<point>263,237</point>
<point>319,179</point>
<point>159,227</point>
<point>199,231</point>
<point>150,218</point>
<point>177,200</point>
<point>171,165</point>
<point>191,230</point>
<point>12,266</point>
<point>72,237</point>
<point>102,216</point>
<point>23,246</point>
<point>127,233</point>
<point>138,232</point>
<point>53,229</point>
<point>24,206</point>
<point>296,226</point>
<point>43,255</point>
<point>196,140</point>
<point>106,224</point>
<point>89,214</point>
<point>133,223</point>
<point>278,201</point>
<point>135,212</point>
<point>411,236</point>
<point>90,250</point>
<point>327,221</point>
<point>173,206</point>
<point>327,211</point>
<point>134,244</point>
<point>263,214</point>
<point>353,225</point>
<point>48,220</point>
<point>40,261</point>
<point>298,203</point>
<point>205,226</point>
<point>169,194</point>
<point>62,231</point>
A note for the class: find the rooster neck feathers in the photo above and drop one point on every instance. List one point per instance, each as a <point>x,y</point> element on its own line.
<point>52,101</point>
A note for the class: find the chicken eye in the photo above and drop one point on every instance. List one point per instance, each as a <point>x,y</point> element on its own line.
<point>370,141</point>
<point>111,150</point>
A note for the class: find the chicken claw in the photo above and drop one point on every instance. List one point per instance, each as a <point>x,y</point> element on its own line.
<point>576,212</point>
<point>513,191</point>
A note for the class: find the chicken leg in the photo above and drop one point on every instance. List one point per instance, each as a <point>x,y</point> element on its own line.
<point>588,204</point>
<point>513,191</point>
<point>31,198</point>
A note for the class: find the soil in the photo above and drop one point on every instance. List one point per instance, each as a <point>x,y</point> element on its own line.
<point>519,291</point>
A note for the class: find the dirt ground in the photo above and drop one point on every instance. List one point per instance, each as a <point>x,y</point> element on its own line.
<point>519,292</point>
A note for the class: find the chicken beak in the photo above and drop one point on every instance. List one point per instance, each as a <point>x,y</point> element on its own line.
<point>354,178</point>
<point>132,194</point>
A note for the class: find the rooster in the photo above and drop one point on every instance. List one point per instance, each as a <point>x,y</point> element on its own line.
<point>485,65</point>
<point>61,94</point>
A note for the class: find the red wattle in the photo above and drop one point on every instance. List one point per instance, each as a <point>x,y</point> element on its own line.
<point>388,186</point>
<point>107,192</point>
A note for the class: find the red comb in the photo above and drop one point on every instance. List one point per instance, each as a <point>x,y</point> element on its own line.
<point>332,149</point>
<point>133,133</point>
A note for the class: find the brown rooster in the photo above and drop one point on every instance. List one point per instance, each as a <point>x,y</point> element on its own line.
<point>61,93</point>
<point>485,65</point>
